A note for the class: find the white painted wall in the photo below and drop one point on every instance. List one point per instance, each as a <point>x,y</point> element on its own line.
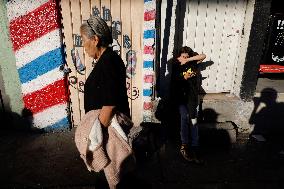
<point>215,28</point>
<point>239,69</point>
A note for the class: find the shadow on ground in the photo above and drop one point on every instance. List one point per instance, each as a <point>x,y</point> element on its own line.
<point>51,160</point>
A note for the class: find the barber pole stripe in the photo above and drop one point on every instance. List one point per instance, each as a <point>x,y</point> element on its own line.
<point>149,25</point>
<point>63,124</point>
<point>148,78</point>
<point>46,97</point>
<point>149,15</point>
<point>148,64</point>
<point>39,47</point>
<point>149,41</point>
<point>33,25</point>
<point>149,6</point>
<point>148,50</point>
<point>42,81</point>
<point>36,39</point>
<point>148,87</point>
<point>148,106</point>
<point>148,57</point>
<point>149,35</point>
<point>16,8</point>
<point>50,116</point>
<point>41,65</point>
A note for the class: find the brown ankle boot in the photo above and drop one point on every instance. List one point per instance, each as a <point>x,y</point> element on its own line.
<point>184,152</point>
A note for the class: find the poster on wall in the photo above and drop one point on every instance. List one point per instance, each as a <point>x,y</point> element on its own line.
<point>273,60</point>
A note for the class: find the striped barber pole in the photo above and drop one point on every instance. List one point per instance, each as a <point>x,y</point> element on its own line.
<point>148,58</point>
<point>36,38</point>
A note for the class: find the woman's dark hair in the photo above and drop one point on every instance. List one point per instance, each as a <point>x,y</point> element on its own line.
<point>187,50</point>
<point>97,26</point>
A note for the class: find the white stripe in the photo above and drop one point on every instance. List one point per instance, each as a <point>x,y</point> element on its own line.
<point>42,81</point>
<point>148,57</point>
<point>147,85</point>
<point>149,5</point>
<point>148,71</point>
<point>147,99</point>
<point>39,47</point>
<point>148,113</point>
<point>50,116</point>
<point>149,25</point>
<point>17,8</point>
<point>149,42</point>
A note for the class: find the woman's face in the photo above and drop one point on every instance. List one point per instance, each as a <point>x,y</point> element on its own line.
<point>184,55</point>
<point>90,45</point>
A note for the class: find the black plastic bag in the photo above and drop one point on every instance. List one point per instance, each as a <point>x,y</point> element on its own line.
<point>161,111</point>
<point>148,141</point>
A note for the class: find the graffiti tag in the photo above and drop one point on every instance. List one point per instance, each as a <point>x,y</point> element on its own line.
<point>77,40</point>
<point>131,60</point>
<point>116,29</point>
<point>77,61</point>
<point>106,14</point>
<point>132,93</point>
<point>126,42</point>
<point>73,80</point>
<point>95,11</point>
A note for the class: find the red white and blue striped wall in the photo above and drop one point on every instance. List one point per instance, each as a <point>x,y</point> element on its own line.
<point>36,38</point>
<point>148,58</point>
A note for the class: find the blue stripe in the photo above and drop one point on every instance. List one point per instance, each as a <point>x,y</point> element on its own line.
<point>149,34</point>
<point>147,92</point>
<point>41,65</point>
<point>147,1</point>
<point>148,64</point>
<point>63,124</point>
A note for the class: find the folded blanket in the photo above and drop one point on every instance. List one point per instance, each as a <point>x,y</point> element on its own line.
<point>111,154</point>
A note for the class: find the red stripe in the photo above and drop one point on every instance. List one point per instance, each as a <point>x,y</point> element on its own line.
<point>148,50</point>
<point>150,15</point>
<point>148,78</point>
<point>33,25</point>
<point>148,105</point>
<point>50,95</point>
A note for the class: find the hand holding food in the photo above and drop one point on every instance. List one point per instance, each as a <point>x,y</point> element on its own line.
<point>188,74</point>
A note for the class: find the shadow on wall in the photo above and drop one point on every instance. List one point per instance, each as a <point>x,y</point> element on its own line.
<point>11,121</point>
<point>268,115</point>
<point>2,93</point>
<point>164,71</point>
<point>202,66</point>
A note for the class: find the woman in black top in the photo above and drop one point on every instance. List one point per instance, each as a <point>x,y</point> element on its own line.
<point>184,93</point>
<point>105,88</point>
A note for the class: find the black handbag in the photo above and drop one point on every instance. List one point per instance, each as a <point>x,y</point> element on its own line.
<point>161,110</point>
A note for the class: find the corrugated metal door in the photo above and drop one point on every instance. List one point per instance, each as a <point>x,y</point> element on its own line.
<point>125,17</point>
<point>213,27</point>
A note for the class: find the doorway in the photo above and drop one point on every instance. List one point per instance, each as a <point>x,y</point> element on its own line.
<point>271,72</point>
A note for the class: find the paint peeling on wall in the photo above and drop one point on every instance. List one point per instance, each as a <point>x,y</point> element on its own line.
<point>148,58</point>
<point>36,37</point>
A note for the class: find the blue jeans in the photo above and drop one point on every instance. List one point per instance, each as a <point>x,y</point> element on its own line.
<point>185,124</point>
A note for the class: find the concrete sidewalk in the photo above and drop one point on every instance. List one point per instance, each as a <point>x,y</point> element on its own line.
<point>51,160</point>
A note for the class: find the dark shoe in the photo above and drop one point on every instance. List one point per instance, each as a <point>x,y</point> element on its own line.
<point>194,154</point>
<point>198,161</point>
<point>184,152</point>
